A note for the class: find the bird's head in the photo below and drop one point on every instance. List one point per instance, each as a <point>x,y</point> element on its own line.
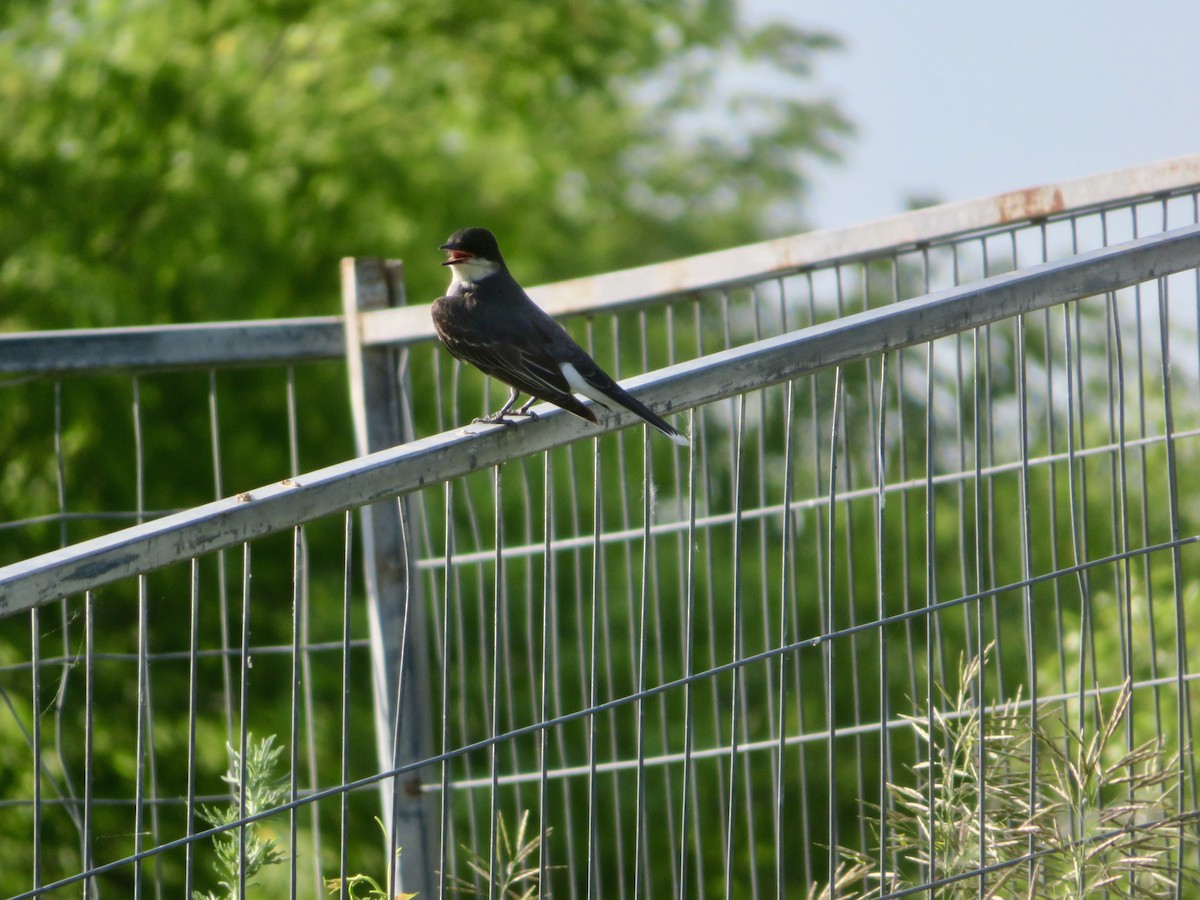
<point>472,254</point>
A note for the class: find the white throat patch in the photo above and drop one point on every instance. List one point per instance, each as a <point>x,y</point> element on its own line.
<point>472,270</point>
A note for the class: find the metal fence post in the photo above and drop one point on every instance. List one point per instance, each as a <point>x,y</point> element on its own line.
<point>398,666</point>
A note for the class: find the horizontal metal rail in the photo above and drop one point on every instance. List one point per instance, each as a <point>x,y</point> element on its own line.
<point>172,346</point>
<point>378,476</point>
<point>789,255</point>
<point>259,342</point>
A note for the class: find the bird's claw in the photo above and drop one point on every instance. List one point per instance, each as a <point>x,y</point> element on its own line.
<point>493,419</point>
<point>503,418</point>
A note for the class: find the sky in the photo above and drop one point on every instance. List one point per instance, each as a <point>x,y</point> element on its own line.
<point>964,100</point>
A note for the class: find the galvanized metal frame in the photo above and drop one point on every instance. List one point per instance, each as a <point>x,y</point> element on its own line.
<point>695,385</point>
<point>419,463</point>
<point>380,401</point>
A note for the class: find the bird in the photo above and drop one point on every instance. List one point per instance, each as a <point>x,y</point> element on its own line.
<point>487,320</point>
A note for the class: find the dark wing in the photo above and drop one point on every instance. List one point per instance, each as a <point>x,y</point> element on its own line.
<point>519,357</point>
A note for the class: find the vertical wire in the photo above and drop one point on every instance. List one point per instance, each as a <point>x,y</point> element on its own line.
<point>1083,491</point>
<point>960,490</point>
<point>905,553</point>
<point>980,627</point>
<point>1078,549</point>
<point>479,639</point>
<point>529,594</point>
<point>68,654</point>
<point>494,724</point>
<point>1052,484</point>
<point>806,826</point>
<point>434,555</point>
<point>640,804</point>
<point>193,712</point>
<point>35,709</point>
<point>989,408</point>
<point>1182,686</point>
<point>1187,773</point>
<point>786,586</point>
<point>558,704</point>
<point>444,838</point>
<point>932,630</point>
<point>704,442</point>
<point>573,526</point>
<point>299,648</point>
<point>827,644</point>
<point>548,631</point>
<point>931,579</point>
<point>784,591</point>
<point>885,756</point>
<point>822,578</point>
<point>507,664</point>
<point>1114,340</point>
<point>1195,792</point>
<point>779,711</point>
<point>852,590</point>
<point>1077,481</point>
<point>714,494</point>
<point>214,432</point>
<point>656,594</point>
<point>1143,467</point>
<point>243,710</point>
<point>735,674</point>
<point>1126,608</point>
<point>1026,569</point>
<point>406,541</point>
<point>593,874</point>
<point>60,466</point>
<point>344,773</point>
<point>660,653</point>
<point>767,688</point>
<point>141,714</point>
<point>297,652</point>
<point>1116,462</point>
<point>605,637</point>
<point>36,652</point>
<point>141,726</point>
<point>688,632</point>
<point>1195,219</point>
<point>90,890</point>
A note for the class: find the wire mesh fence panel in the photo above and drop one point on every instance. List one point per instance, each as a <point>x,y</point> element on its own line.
<point>121,705</point>
<point>746,653</point>
<point>166,692</point>
<point>920,563</point>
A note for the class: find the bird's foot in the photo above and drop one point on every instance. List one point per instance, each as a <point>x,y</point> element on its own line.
<point>496,418</point>
<point>503,417</point>
<point>526,412</point>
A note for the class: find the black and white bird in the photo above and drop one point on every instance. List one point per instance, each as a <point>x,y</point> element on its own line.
<point>486,319</point>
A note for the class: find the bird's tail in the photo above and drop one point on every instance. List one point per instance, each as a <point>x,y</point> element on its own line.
<point>595,384</point>
<point>619,395</point>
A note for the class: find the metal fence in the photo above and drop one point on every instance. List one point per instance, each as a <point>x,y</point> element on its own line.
<point>969,433</point>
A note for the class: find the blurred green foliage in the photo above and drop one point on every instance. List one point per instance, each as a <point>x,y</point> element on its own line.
<point>185,162</point>
<point>166,161</point>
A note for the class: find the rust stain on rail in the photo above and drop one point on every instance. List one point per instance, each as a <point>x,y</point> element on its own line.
<point>1031,203</point>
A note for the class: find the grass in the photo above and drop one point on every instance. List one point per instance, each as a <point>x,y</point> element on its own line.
<point>1049,810</point>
